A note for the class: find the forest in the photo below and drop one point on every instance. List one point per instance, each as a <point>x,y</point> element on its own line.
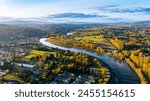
<point>130,47</point>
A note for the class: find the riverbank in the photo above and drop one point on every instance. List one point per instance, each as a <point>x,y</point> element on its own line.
<point>138,72</point>
<point>122,74</point>
<point>97,69</point>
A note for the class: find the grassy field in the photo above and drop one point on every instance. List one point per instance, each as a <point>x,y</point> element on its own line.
<point>11,77</point>
<point>35,53</point>
<point>91,38</point>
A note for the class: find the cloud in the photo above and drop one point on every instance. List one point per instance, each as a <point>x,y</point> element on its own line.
<point>119,9</point>
<point>74,15</point>
<point>131,10</point>
<point>116,19</point>
<point>107,6</point>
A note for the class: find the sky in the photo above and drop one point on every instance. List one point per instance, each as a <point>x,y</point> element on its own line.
<point>61,11</point>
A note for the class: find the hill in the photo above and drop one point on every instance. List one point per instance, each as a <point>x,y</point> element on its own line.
<point>11,32</point>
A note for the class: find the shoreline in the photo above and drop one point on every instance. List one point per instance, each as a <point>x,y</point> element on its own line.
<point>121,73</point>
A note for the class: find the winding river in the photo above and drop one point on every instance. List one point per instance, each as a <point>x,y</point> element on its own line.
<point>121,73</point>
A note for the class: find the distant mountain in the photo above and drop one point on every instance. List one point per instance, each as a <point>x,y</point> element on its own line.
<point>30,22</point>
<point>17,30</point>
<point>9,32</point>
<point>64,28</point>
<point>143,23</point>
<point>24,29</point>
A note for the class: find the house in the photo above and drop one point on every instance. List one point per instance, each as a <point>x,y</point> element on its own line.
<point>63,78</point>
<point>95,71</point>
<point>69,33</point>
<point>85,79</point>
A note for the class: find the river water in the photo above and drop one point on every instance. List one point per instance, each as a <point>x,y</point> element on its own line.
<point>121,71</point>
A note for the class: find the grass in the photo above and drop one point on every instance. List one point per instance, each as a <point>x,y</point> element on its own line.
<point>35,53</point>
<point>11,77</point>
<point>90,38</point>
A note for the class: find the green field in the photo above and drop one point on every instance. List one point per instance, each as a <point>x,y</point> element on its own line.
<point>35,53</point>
<point>91,38</point>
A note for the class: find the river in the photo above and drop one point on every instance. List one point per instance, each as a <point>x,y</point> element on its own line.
<point>121,73</point>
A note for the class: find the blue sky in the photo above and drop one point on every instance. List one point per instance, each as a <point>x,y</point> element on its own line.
<point>75,10</point>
